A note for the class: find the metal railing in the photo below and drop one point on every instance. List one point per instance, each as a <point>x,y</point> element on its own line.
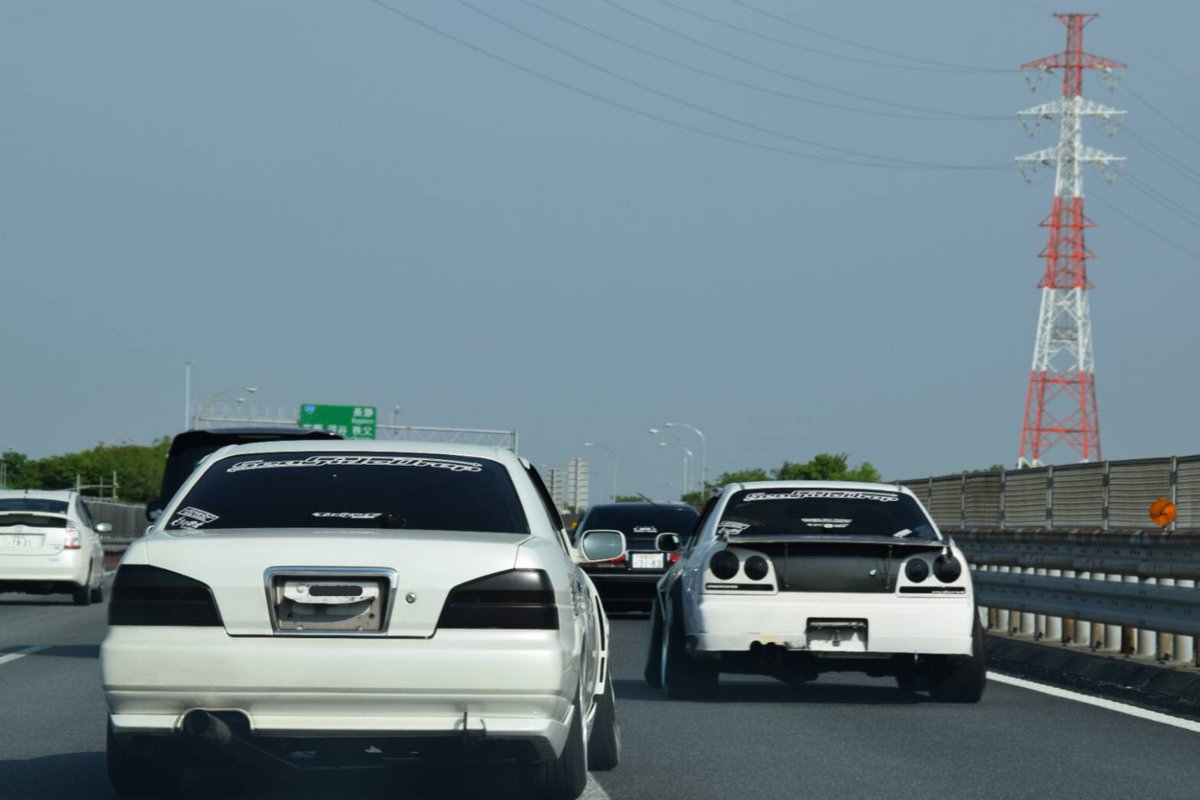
<point>1108,495</point>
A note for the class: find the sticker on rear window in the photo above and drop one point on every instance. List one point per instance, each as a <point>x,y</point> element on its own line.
<point>823,494</point>
<point>192,518</point>
<point>731,528</point>
<point>645,529</point>
<point>365,461</point>
<point>348,514</point>
<point>825,522</point>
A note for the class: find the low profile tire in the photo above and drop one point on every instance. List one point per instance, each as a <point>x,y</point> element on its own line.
<point>604,745</point>
<point>97,594</point>
<point>963,682</point>
<point>137,776</point>
<point>653,672</point>
<point>565,777</point>
<point>684,677</point>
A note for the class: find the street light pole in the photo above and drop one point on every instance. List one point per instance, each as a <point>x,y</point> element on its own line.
<point>687,456</point>
<point>612,453</point>
<point>703,450</point>
<point>200,409</point>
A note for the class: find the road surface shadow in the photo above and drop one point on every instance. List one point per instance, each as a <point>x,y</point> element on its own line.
<point>733,690</point>
<point>84,776</point>
<point>40,601</point>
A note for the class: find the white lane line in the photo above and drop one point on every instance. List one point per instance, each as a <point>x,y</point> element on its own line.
<point>27,651</point>
<point>1099,702</point>
<point>593,791</point>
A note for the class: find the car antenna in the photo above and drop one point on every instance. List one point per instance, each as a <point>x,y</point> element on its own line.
<point>647,499</point>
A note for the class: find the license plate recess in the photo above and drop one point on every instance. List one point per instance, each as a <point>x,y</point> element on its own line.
<point>837,635</point>
<point>330,602</point>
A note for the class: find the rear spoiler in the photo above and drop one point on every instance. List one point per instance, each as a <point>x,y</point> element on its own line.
<point>798,538</point>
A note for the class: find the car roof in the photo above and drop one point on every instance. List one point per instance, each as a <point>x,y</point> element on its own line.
<point>643,506</point>
<point>847,485</point>
<point>38,494</point>
<point>371,446</point>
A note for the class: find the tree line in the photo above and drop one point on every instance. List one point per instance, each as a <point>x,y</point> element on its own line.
<point>139,470</point>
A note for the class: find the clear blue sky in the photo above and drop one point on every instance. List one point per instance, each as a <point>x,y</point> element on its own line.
<point>332,203</point>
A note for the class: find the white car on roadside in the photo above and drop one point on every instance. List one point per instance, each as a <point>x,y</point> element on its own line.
<point>795,578</point>
<point>345,603</point>
<point>49,545</point>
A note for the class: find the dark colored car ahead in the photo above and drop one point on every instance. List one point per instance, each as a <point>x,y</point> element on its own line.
<point>189,447</point>
<point>628,583</point>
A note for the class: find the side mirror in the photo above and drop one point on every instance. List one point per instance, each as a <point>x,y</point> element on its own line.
<point>602,545</point>
<point>668,542</point>
<point>153,514</point>
<point>103,527</point>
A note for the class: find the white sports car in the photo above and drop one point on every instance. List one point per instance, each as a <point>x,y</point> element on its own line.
<point>345,603</point>
<point>794,578</point>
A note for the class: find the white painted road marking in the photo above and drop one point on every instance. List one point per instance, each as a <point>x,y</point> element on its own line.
<point>1099,702</point>
<point>593,791</point>
<point>26,651</point>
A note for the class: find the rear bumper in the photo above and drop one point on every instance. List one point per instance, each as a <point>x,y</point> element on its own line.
<point>924,625</point>
<point>66,567</point>
<point>497,684</point>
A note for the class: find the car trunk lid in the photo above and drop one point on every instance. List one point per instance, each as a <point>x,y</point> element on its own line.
<point>24,533</point>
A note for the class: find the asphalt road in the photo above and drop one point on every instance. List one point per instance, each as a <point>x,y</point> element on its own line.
<point>846,736</point>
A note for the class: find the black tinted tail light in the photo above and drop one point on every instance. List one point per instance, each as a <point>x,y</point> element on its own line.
<point>519,598</point>
<point>947,568</point>
<point>144,595</point>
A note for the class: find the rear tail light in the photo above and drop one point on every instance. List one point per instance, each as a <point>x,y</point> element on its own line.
<point>724,565</point>
<point>916,569</point>
<point>756,568</point>
<point>947,568</point>
<point>516,599</point>
<point>144,595</point>
<point>73,542</point>
<point>673,558</point>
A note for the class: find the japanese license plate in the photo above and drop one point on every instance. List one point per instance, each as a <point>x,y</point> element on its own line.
<point>22,540</point>
<point>647,561</point>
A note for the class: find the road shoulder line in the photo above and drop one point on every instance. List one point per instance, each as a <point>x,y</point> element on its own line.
<point>1099,702</point>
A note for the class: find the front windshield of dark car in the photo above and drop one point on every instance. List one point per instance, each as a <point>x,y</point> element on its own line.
<point>352,490</point>
<point>33,504</point>
<point>825,512</point>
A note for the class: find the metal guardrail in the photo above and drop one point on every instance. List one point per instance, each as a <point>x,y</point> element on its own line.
<point>1125,592</point>
<point>1107,495</point>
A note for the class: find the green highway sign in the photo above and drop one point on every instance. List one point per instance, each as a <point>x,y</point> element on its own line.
<point>353,422</point>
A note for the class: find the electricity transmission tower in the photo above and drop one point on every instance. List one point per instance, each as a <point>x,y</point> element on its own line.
<point>1060,405</point>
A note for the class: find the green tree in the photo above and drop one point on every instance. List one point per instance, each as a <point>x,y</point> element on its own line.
<point>139,469</point>
<point>821,467</point>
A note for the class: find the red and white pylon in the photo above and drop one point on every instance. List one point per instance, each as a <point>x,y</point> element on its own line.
<point>1060,405</point>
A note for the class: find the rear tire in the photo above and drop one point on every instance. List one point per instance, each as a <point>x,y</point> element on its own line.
<point>137,776</point>
<point>604,745</point>
<point>653,672</point>
<point>82,595</point>
<point>97,594</point>
<point>565,777</point>
<point>684,677</point>
<point>963,682</point>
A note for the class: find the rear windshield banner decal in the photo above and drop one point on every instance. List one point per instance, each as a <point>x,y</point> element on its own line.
<point>363,461</point>
<point>823,494</point>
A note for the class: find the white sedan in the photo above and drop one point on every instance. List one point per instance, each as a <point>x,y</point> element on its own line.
<point>49,545</point>
<point>345,603</point>
<point>794,578</point>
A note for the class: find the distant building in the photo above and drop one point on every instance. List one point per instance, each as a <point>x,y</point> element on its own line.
<point>577,484</point>
<point>556,483</point>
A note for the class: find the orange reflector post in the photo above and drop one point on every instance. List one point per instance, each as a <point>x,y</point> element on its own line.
<point>1162,512</point>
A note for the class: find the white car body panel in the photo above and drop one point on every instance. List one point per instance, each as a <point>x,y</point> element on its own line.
<point>410,679</point>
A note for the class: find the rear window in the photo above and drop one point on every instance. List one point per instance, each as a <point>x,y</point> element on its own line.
<point>825,512</point>
<point>9,519</point>
<point>641,523</point>
<point>33,504</point>
<point>352,490</point>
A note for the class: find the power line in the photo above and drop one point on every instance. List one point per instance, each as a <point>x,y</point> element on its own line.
<point>949,66</point>
<point>789,75</point>
<point>734,81</point>
<point>1186,170</point>
<point>1146,228</point>
<point>714,113</point>
<point>1164,201</point>
<point>1163,115</point>
<point>617,104</point>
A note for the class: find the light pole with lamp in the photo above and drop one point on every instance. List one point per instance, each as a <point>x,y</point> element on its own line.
<point>200,409</point>
<point>703,450</point>
<point>612,453</point>
<point>687,456</point>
